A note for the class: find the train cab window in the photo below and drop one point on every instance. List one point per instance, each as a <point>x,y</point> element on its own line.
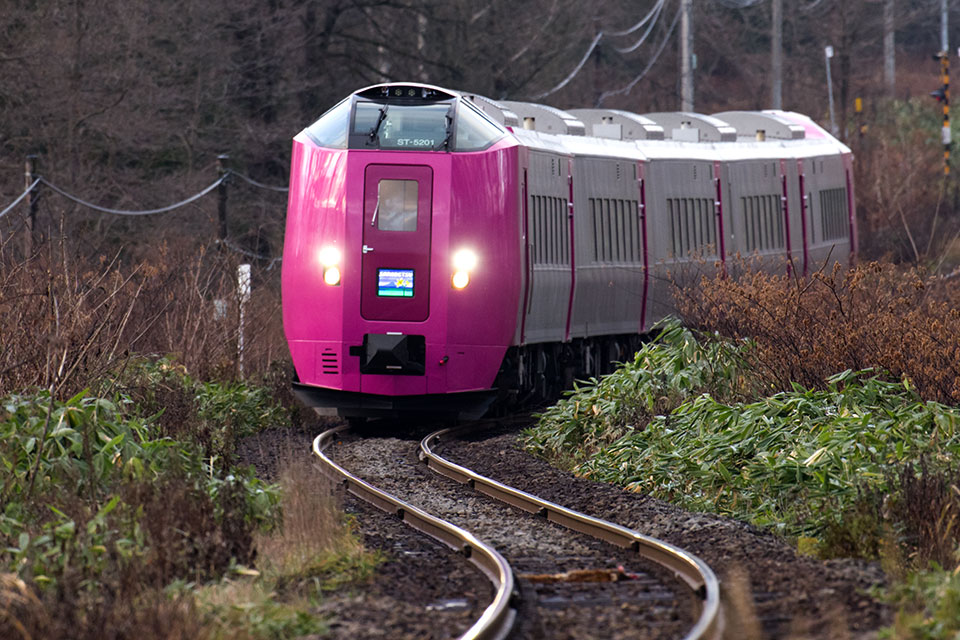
<point>474,131</point>
<point>330,130</point>
<point>396,208</point>
<point>421,127</point>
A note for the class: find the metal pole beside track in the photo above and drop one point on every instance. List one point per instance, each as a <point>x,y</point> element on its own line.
<point>223,166</point>
<point>29,175</point>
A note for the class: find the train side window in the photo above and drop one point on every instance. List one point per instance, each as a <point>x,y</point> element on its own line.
<point>330,130</point>
<point>397,205</point>
<point>474,132</point>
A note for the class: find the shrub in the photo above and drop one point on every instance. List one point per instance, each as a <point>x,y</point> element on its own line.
<point>874,316</point>
<point>672,368</point>
<point>100,510</point>
<point>806,462</point>
<point>929,606</point>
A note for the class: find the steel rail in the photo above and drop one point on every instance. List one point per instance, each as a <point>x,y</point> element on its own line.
<point>497,619</point>
<point>688,567</point>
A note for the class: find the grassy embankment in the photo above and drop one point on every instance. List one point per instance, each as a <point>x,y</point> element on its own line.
<point>123,510</point>
<point>776,430</point>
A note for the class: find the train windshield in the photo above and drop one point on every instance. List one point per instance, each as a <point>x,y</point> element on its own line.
<point>397,126</point>
<point>404,124</point>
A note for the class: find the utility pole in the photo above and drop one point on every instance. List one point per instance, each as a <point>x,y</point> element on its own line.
<point>686,56</point>
<point>889,55</point>
<point>776,54</point>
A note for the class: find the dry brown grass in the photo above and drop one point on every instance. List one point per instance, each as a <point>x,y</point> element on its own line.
<point>313,527</point>
<point>66,320</point>
<point>872,316</point>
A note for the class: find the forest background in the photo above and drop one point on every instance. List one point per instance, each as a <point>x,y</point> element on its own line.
<point>128,104</point>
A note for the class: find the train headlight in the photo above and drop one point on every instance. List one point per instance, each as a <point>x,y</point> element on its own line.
<point>330,259</point>
<point>464,261</point>
<point>461,279</point>
<point>331,275</point>
<point>330,256</point>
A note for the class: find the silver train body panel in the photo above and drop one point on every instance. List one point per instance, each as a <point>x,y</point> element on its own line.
<point>619,206</point>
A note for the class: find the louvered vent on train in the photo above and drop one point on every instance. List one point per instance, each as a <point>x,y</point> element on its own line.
<point>330,361</point>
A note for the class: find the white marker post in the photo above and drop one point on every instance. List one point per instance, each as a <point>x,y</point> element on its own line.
<point>827,55</point>
<point>243,297</point>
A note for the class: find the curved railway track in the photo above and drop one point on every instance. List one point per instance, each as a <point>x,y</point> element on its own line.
<point>499,616</point>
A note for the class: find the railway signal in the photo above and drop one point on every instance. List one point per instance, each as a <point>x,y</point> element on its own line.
<point>942,95</point>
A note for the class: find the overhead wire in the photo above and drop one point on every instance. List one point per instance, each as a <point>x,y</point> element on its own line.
<point>572,75</point>
<point>127,212</point>
<point>642,22</point>
<point>658,8</point>
<point>259,185</point>
<point>653,60</point>
<point>652,17</point>
<point>23,195</point>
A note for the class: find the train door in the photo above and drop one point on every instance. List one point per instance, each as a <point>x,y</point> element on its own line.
<point>395,270</point>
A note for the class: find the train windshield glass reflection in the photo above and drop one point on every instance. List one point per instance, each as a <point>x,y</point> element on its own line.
<point>418,127</point>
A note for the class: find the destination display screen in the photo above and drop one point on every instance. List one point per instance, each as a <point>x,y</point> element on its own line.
<point>395,283</point>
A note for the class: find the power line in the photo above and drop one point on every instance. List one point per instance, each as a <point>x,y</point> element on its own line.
<point>642,22</point>
<point>259,185</point>
<point>653,60</point>
<point>20,198</point>
<point>652,16</point>
<point>127,212</point>
<point>739,4</point>
<point>658,8</point>
<point>141,212</point>
<point>583,61</point>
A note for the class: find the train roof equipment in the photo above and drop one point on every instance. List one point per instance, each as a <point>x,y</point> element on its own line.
<point>540,117</point>
<point>684,126</point>
<point>761,125</point>
<point>618,125</point>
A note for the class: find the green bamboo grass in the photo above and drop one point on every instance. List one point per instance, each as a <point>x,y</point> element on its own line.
<point>795,461</point>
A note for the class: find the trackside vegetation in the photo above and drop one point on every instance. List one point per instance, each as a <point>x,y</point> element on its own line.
<point>859,466</point>
<point>122,513</point>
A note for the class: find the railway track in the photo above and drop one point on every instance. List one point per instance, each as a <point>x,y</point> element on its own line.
<point>629,584</point>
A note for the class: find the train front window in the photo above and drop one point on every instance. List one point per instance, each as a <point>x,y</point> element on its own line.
<point>396,208</point>
<point>421,127</point>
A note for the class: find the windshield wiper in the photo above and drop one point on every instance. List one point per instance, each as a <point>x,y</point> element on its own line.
<point>375,131</point>
<point>446,140</point>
